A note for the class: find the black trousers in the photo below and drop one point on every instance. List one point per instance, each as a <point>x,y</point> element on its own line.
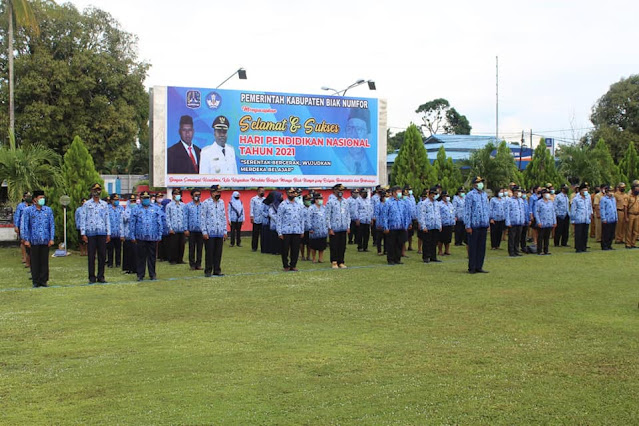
<point>496,231</point>
<point>290,245</point>
<point>196,242</point>
<point>354,231</point>
<point>380,239</point>
<point>114,247</point>
<point>213,255</point>
<point>39,265</point>
<point>236,228</point>
<point>163,248</point>
<point>146,251</point>
<point>129,257</point>
<point>337,244</point>
<point>255,235</point>
<point>97,245</point>
<point>393,245</point>
<point>562,231</point>
<point>177,242</point>
<point>522,239</point>
<point>476,249</point>
<point>429,244</point>
<point>514,237</point>
<point>460,233</point>
<point>581,236</point>
<point>607,235</point>
<point>543,240</point>
<point>363,236</point>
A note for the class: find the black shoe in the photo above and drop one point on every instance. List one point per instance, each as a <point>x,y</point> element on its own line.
<point>547,254</point>
<point>219,274</point>
<point>436,260</point>
<point>399,263</point>
<point>360,250</point>
<point>426,261</point>
<point>153,278</point>
<point>102,281</point>
<point>471,271</point>
<point>391,263</point>
<point>207,275</point>
<point>519,255</point>
<point>365,250</point>
<point>481,271</point>
<point>92,281</point>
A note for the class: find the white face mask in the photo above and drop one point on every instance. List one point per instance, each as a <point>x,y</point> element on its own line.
<point>585,193</point>
<point>519,194</point>
<point>547,196</point>
<point>447,199</point>
<point>501,194</point>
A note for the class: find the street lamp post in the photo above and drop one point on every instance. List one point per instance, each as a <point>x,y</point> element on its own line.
<point>241,73</point>
<point>371,86</point>
<point>65,200</point>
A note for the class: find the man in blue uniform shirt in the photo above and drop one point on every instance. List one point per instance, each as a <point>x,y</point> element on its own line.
<point>256,212</point>
<point>364,216</point>
<point>129,252</point>
<point>515,217</point>
<point>430,224</point>
<point>580,216</point>
<point>193,230</point>
<point>476,220</point>
<point>608,213</point>
<point>396,219</point>
<point>460,230</point>
<point>546,220</point>
<point>177,226</point>
<point>96,232</point>
<point>213,223</point>
<point>339,221</point>
<point>37,230</point>
<point>291,217</point>
<point>114,247</point>
<point>563,220</point>
<point>353,211</point>
<point>146,228</point>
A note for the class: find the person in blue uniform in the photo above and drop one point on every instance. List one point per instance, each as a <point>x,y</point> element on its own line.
<point>527,219</point>
<point>37,230</point>
<point>256,208</point>
<point>460,230</point>
<point>546,221</point>
<point>305,249</point>
<point>430,225</point>
<point>353,210</point>
<point>236,218</point>
<point>497,218</point>
<point>515,216</point>
<point>213,222</point>
<point>129,253</point>
<point>364,216</point>
<point>580,216</point>
<point>378,221</point>
<point>562,208</point>
<point>78,224</point>
<point>396,218</point>
<point>339,221</point>
<point>608,213</point>
<point>27,199</point>
<point>375,198</point>
<point>114,247</point>
<point>193,231</point>
<point>447,213</point>
<point>290,229</point>
<point>96,232</point>
<point>317,228</point>
<point>145,225</point>
<point>176,225</point>
<point>476,220</point>
<point>411,203</point>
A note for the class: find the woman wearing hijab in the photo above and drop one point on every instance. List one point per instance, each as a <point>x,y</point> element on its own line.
<point>236,218</point>
<point>273,243</point>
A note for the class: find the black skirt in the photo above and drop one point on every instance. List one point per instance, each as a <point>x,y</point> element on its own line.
<point>446,235</point>
<point>318,244</point>
<point>304,240</point>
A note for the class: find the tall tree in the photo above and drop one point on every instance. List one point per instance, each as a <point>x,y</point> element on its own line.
<point>495,164</point>
<point>456,124</point>
<point>394,141</point>
<point>438,115</point>
<point>609,172</point>
<point>81,77</point>
<point>412,166</point>
<point>577,164</point>
<point>17,12</point>
<point>629,165</point>
<point>541,169</point>
<point>27,168</point>
<point>616,116</point>
<point>448,173</point>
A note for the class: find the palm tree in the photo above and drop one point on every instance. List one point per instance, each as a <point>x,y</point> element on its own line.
<point>21,12</point>
<point>28,168</point>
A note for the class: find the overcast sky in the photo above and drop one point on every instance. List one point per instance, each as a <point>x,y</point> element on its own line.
<point>556,58</point>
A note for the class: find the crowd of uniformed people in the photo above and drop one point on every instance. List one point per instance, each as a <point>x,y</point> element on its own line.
<point>145,227</point>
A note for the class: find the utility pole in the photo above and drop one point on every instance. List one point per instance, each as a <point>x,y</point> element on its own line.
<point>497,99</point>
<point>520,148</point>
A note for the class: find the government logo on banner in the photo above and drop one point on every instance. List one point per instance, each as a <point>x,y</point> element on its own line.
<point>193,99</point>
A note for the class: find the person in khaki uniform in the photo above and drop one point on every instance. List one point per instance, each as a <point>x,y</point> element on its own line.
<point>622,202</point>
<point>632,217</point>
<point>595,207</point>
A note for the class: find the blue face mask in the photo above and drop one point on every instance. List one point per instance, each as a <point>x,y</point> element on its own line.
<point>116,203</point>
<point>480,186</point>
<point>41,201</point>
<point>178,197</point>
<point>146,202</point>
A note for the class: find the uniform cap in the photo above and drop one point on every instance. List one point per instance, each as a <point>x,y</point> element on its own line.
<point>145,194</point>
<point>220,123</point>
<point>186,119</point>
<point>215,188</point>
<point>96,187</point>
<point>339,187</point>
<point>115,197</point>
<point>584,185</point>
<point>37,193</point>
<point>176,191</point>
<point>132,197</point>
<point>477,179</point>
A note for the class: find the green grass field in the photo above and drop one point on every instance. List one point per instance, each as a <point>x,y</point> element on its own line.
<point>552,340</point>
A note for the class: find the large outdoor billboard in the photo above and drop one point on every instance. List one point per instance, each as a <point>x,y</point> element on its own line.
<point>245,139</point>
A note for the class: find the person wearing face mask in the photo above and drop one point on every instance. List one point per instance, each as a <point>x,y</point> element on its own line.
<point>632,217</point>
<point>526,225</point>
<point>17,220</point>
<point>497,218</point>
<point>458,204</point>
<point>608,213</point>
<point>176,225</point>
<point>447,214</point>
<point>78,221</point>
<point>364,217</point>
<point>515,216</point>
<point>236,218</point>
<point>580,216</point>
<point>317,226</point>
<point>546,220</point>
<point>305,249</point>
<point>621,199</point>
<point>563,221</point>
<point>352,203</point>
<point>213,223</point>
<point>378,221</point>
<point>255,212</point>
<point>396,219</point>
<point>411,204</point>
<point>193,231</point>
<point>290,229</point>
<point>145,226</point>
<point>375,199</point>
<point>129,254</point>
<point>596,201</point>
<point>114,247</point>
<point>96,232</point>
<point>339,220</point>
<point>37,230</point>
<point>430,225</point>
<point>476,220</point>
<point>532,203</point>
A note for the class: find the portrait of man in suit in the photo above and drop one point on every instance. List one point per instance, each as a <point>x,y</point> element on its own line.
<point>183,157</point>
